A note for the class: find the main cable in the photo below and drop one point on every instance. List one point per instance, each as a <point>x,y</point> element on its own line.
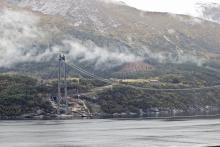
<point>140,88</point>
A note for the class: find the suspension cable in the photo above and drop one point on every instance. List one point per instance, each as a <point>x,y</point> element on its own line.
<point>141,88</point>
<point>89,74</point>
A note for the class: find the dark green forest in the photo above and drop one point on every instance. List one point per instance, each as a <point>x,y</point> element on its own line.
<point>20,94</point>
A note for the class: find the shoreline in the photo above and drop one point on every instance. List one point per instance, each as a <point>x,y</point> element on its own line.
<point>70,117</point>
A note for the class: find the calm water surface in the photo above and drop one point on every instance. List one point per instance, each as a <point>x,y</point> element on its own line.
<point>110,133</point>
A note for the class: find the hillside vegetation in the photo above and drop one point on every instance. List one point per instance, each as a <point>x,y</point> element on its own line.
<point>21,95</point>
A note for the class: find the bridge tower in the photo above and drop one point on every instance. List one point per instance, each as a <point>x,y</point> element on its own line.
<point>62,83</point>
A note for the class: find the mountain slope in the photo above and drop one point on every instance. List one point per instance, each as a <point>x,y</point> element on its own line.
<point>211,12</point>
<point>194,8</point>
<point>103,35</point>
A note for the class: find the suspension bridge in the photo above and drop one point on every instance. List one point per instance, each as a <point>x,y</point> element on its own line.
<point>62,78</point>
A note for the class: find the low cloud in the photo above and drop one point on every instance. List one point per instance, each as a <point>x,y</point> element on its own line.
<point>23,40</point>
<point>18,33</point>
<point>88,51</point>
<point>179,57</point>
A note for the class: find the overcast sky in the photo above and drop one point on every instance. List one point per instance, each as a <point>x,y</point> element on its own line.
<point>173,6</point>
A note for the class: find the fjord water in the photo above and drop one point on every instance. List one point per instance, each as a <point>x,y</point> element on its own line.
<point>110,133</point>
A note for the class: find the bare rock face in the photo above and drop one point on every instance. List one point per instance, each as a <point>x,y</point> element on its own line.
<point>210,11</point>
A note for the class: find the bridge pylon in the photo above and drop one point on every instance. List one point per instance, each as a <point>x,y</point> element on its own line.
<point>62,83</point>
